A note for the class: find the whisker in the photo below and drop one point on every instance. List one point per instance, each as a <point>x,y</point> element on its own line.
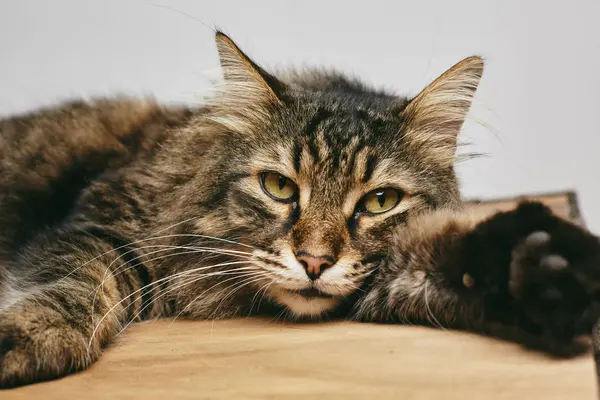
<point>190,271</point>
<point>156,296</point>
<point>202,294</point>
<point>215,238</point>
<point>189,250</point>
<point>186,281</point>
<point>260,296</point>
<point>192,279</point>
<point>252,279</point>
<point>428,309</point>
<point>175,225</point>
<point>284,313</point>
<point>154,238</point>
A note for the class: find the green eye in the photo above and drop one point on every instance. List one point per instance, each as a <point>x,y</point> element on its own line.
<point>380,200</point>
<point>278,186</point>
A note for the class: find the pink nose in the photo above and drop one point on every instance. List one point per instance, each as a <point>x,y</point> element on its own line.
<point>313,265</point>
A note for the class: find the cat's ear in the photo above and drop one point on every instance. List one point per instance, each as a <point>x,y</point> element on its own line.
<point>435,116</point>
<point>243,75</point>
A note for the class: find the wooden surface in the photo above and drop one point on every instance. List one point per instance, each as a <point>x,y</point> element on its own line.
<point>255,359</point>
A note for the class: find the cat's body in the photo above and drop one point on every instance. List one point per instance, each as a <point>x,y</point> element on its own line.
<point>308,195</point>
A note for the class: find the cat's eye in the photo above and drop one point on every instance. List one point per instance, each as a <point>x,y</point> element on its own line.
<point>380,200</point>
<point>278,186</point>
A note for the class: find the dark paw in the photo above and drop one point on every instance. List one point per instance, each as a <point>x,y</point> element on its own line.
<point>549,293</point>
<point>544,275</point>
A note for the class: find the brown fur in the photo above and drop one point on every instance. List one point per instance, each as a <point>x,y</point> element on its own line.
<point>122,210</point>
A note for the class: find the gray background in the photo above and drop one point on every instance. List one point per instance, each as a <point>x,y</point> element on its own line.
<point>539,99</point>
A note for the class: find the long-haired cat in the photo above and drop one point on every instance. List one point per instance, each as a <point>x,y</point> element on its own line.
<point>307,194</point>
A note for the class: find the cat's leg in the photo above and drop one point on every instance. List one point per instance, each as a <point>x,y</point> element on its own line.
<point>65,305</point>
<point>524,274</point>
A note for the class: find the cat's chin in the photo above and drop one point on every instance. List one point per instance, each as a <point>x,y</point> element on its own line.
<point>301,305</point>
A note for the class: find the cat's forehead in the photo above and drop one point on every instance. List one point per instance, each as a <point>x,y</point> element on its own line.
<point>339,125</point>
<point>347,138</point>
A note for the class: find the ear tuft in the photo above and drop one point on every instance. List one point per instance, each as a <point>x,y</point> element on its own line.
<point>242,74</point>
<point>436,115</point>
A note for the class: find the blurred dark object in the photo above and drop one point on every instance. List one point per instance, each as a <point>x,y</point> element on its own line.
<point>563,204</point>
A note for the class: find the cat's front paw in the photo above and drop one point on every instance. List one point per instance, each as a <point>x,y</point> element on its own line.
<point>551,289</point>
<point>36,347</point>
<point>553,277</point>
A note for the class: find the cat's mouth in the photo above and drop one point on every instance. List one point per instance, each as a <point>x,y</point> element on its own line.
<point>311,292</point>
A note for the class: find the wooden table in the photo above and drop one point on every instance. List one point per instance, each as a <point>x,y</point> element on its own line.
<point>256,359</point>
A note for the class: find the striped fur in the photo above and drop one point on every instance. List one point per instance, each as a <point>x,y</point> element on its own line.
<point>123,210</point>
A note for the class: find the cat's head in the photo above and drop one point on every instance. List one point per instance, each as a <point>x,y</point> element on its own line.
<point>316,169</point>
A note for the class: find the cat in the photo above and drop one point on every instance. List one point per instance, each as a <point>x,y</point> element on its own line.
<point>303,195</point>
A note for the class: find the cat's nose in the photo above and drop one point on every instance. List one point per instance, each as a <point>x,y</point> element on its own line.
<point>314,265</point>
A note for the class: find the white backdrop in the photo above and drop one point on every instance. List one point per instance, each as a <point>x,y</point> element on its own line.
<point>540,92</point>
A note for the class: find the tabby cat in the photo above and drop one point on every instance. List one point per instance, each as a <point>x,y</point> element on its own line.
<point>303,195</point>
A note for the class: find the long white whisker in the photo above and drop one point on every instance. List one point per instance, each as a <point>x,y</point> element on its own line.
<point>276,318</point>
<point>252,279</point>
<point>192,279</point>
<point>202,294</point>
<point>190,271</point>
<point>189,249</point>
<point>185,282</point>
<point>163,248</point>
<point>174,247</point>
<point>258,294</point>
<point>116,272</point>
<point>428,309</point>
<point>262,296</point>
<point>154,238</point>
<point>217,239</point>
<point>174,225</point>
